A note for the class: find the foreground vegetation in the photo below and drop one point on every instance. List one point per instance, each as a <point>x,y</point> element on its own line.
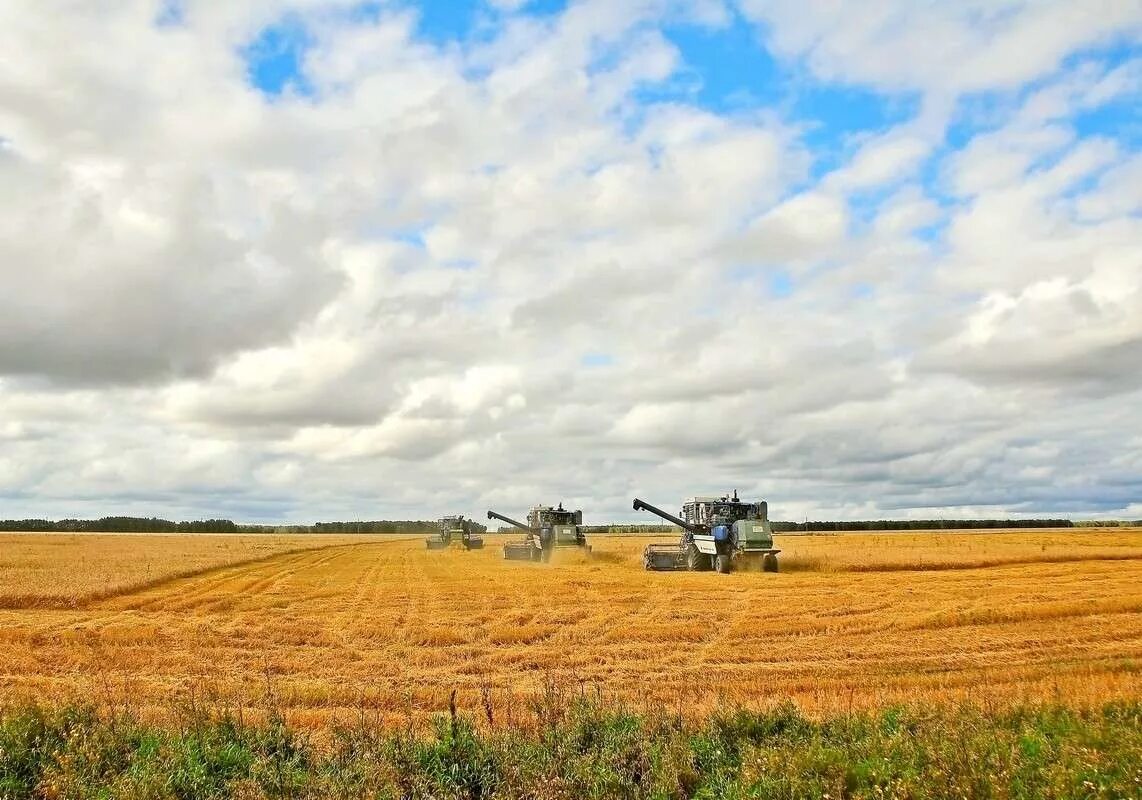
<point>583,750</point>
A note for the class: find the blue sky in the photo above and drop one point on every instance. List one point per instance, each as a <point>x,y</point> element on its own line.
<point>726,69</point>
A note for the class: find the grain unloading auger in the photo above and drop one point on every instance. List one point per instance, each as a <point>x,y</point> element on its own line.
<point>454,532</point>
<point>718,532</point>
<point>547,528</point>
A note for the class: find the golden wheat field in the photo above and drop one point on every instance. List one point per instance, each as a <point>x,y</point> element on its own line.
<point>67,570</point>
<point>383,626</point>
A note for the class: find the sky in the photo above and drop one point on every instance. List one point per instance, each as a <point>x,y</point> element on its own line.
<point>295,260</point>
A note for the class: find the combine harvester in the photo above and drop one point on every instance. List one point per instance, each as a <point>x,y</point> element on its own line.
<point>719,532</point>
<point>454,532</point>
<point>547,529</point>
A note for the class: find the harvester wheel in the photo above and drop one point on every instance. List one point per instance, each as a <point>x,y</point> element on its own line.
<point>769,563</point>
<point>722,564</point>
<point>696,560</point>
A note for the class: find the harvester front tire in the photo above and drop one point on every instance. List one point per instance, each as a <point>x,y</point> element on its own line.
<point>722,564</point>
<point>696,560</point>
<point>769,563</point>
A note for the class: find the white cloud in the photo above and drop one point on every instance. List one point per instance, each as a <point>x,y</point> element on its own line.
<point>940,47</point>
<point>378,299</point>
<point>1115,195</point>
<point>881,161</point>
<point>805,228</point>
<point>904,212</point>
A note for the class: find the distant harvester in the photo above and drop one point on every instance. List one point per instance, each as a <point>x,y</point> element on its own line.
<point>454,532</point>
<point>547,529</point>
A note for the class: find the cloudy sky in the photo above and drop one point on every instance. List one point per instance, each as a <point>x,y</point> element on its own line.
<point>318,259</point>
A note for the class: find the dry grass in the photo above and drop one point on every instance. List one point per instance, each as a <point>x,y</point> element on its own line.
<point>859,620</point>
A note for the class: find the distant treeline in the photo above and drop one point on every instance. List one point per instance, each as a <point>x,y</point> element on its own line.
<point>386,526</point>
<point>120,525</point>
<point>919,524</point>
<point>630,528</point>
<point>156,525</point>
<point>412,526</point>
<point>882,525</point>
<point>1109,523</point>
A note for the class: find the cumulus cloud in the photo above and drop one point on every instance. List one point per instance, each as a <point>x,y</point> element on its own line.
<point>881,161</point>
<point>941,47</point>
<point>416,276</point>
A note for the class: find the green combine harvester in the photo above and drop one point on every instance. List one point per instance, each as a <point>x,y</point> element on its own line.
<point>720,533</point>
<point>547,529</point>
<point>455,532</point>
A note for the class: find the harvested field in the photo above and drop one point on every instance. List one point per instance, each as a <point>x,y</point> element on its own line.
<point>858,620</point>
<point>68,570</point>
<point>884,552</point>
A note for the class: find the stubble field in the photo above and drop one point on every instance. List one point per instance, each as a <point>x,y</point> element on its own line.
<point>384,627</point>
<point>69,570</point>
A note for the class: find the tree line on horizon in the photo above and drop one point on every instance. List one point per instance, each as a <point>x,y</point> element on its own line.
<point>157,525</point>
<point>885,525</point>
<point>921,524</point>
<point>121,524</point>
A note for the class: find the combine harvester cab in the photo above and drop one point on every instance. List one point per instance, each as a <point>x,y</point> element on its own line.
<point>720,533</point>
<point>547,529</point>
<point>455,532</point>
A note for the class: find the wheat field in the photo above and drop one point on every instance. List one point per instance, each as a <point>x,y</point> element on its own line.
<point>328,629</point>
<point>68,570</point>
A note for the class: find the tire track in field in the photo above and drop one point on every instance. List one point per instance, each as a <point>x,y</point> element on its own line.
<point>231,585</point>
<point>364,596</point>
<point>247,595</point>
<point>412,613</point>
<point>179,592</point>
<point>274,580</point>
<point>718,636</point>
<point>105,598</point>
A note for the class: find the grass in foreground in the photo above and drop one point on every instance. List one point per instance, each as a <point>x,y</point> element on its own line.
<point>585,750</point>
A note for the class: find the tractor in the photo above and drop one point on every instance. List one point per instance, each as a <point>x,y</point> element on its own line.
<point>720,533</point>
<point>547,529</point>
<point>454,532</point>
